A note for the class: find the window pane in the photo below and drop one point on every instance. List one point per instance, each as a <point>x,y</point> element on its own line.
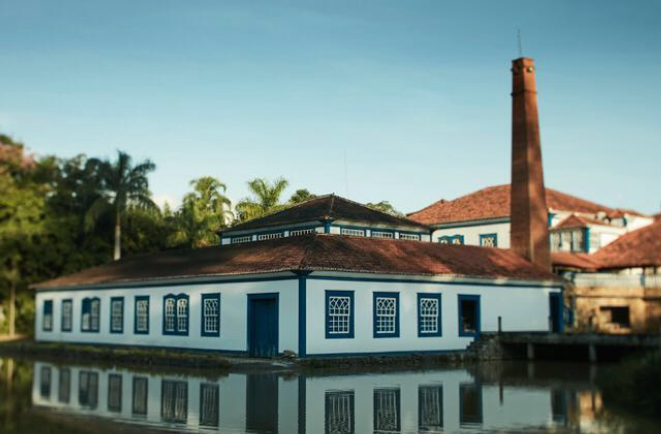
<point>339,414</point>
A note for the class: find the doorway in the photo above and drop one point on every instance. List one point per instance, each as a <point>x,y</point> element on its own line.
<point>263,325</point>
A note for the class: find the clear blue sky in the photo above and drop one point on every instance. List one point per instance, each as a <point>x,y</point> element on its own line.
<point>416,93</point>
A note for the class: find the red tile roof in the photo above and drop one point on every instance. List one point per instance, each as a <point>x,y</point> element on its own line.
<point>493,202</point>
<point>583,261</point>
<point>577,221</point>
<point>640,248</point>
<point>312,252</point>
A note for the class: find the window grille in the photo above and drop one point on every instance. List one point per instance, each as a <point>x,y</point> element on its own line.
<point>174,401</point>
<point>430,413</point>
<point>182,315</point>
<point>301,232</point>
<point>243,239</point>
<point>379,234</point>
<point>116,315</point>
<point>339,315</point>
<point>90,318</point>
<point>262,237</point>
<point>489,240</point>
<point>142,315</point>
<point>115,393</point>
<point>176,314</point>
<point>429,314</point>
<point>140,395</point>
<point>211,314</point>
<point>339,412</point>
<point>45,378</point>
<point>48,315</point>
<point>209,394</point>
<point>170,314</point>
<point>67,315</point>
<point>387,410</point>
<point>95,311</point>
<point>353,232</point>
<point>409,237</point>
<point>88,389</point>
<point>386,315</point>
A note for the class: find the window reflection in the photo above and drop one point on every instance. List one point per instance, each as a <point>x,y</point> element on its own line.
<point>470,404</point>
<point>430,408</point>
<point>140,390</point>
<point>88,389</point>
<point>339,412</point>
<point>387,410</point>
<point>559,405</point>
<point>64,389</point>
<point>174,401</point>
<point>115,393</point>
<point>209,394</point>
<point>44,383</point>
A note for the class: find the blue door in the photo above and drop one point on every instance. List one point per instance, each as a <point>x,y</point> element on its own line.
<point>555,310</point>
<point>263,325</point>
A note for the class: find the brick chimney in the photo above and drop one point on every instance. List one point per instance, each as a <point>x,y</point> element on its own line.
<point>529,233</point>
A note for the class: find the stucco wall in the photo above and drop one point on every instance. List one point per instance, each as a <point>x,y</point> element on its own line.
<point>472,233</point>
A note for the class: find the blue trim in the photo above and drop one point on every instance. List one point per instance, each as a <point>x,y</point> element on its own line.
<point>176,331</point>
<point>478,325</point>
<point>121,300</point>
<point>449,239</point>
<point>558,298</point>
<point>86,307</point>
<point>302,316</point>
<point>376,295</point>
<point>205,297</point>
<point>550,219</point>
<point>70,302</point>
<point>485,236</point>
<point>135,314</point>
<point>417,234</point>
<point>48,310</point>
<point>439,318</point>
<point>350,334</point>
<point>269,295</point>
<point>327,227</point>
<point>586,240</point>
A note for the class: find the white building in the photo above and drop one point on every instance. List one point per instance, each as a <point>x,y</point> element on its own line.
<point>364,292</point>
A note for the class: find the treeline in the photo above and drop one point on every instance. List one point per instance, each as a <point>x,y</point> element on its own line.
<point>61,215</point>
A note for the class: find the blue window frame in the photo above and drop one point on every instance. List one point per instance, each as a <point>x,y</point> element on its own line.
<point>451,239</point>
<point>66,322</point>
<point>385,309</point>
<point>175,315</point>
<point>210,315</point>
<point>48,316</point>
<point>339,315</point>
<point>141,315</point>
<point>91,315</point>
<point>469,315</point>
<point>489,240</point>
<point>117,315</point>
<point>429,315</point>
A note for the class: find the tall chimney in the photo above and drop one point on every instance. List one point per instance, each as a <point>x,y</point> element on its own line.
<point>529,233</point>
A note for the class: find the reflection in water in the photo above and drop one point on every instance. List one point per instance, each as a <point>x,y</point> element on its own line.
<point>399,402</point>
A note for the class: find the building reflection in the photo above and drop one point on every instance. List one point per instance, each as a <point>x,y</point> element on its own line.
<point>429,402</point>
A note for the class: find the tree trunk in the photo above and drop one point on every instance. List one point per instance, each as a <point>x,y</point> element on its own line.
<point>118,237</point>
<point>12,308</point>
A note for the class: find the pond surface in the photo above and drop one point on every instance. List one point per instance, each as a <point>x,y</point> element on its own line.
<point>504,397</point>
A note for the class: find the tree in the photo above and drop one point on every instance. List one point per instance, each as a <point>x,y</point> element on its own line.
<point>203,212</point>
<point>301,195</point>
<point>385,206</point>
<point>266,198</point>
<point>123,184</point>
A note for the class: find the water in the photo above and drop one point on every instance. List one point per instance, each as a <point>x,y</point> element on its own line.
<point>506,397</point>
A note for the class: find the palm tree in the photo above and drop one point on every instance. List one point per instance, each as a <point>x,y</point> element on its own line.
<point>204,211</point>
<point>123,184</point>
<point>301,195</point>
<point>385,206</point>
<point>266,198</point>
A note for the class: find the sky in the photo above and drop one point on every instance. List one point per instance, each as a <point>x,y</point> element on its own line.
<point>405,101</point>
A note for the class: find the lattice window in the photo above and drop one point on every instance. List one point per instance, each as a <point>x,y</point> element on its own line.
<point>262,237</point>
<point>170,314</point>
<point>176,314</point>
<point>64,388</point>
<point>174,401</point>
<point>48,315</point>
<point>95,313</point>
<point>489,240</point>
<point>88,389</point>
<point>142,315</point>
<point>116,315</point>
<point>379,234</point>
<point>67,315</point>
<point>339,315</point>
<point>301,232</point>
<point>386,315</point>
<point>44,381</point>
<point>339,412</point>
<point>211,314</point>
<point>209,405</point>
<point>430,414</point>
<point>409,237</point>
<point>241,240</point>
<point>353,232</point>
<point>429,314</point>
<point>182,315</point>
<point>387,410</point>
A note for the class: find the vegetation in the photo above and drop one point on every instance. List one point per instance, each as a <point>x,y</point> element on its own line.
<point>300,196</point>
<point>265,198</point>
<point>385,206</point>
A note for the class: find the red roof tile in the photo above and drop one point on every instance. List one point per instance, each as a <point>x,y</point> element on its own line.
<point>493,202</point>
<point>312,252</point>
<point>640,248</point>
<point>577,221</point>
<point>582,261</point>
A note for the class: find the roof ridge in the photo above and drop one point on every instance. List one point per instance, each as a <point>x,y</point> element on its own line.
<point>285,208</point>
<point>381,212</point>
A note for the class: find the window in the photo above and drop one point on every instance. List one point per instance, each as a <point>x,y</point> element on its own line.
<point>241,240</point>
<point>616,316</point>
<point>262,237</point>
<point>489,240</point>
<point>430,408</point>
<point>174,401</point>
<point>209,394</point>
<point>339,414</point>
<point>382,234</point>
<point>91,308</point>
<point>175,319</point>
<point>339,314</point>
<point>429,315</point>
<point>210,314</point>
<point>469,315</point>
<point>409,237</point>
<point>141,326</point>
<point>353,232</point>
<point>115,393</point>
<point>387,410</point>
<point>140,394</point>
<point>386,314</point>
<point>44,382</point>
<point>454,239</point>
<point>117,315</point>
<point>301,232</point>
<point>470,404</point>
<point>64,388</point>
<point>67,315</point>
<point>88,389</point>
<point>48,315</point>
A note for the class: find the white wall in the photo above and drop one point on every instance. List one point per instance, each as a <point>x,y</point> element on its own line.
<point>233,315</point>
<point>521,309</point>
<point>472,233</point>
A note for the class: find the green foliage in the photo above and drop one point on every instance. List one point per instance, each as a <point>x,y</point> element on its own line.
<point>301,195</point>
<point>265,198</point>
<point>385,206</point>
